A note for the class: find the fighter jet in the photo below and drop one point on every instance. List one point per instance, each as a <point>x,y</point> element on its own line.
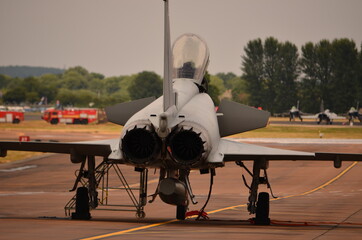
<point>326,116</point>
<point>176,133</point>
<point>354,114</point>
<point>295,113</point>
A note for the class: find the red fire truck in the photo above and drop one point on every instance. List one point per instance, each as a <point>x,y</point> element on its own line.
<point>74,115</point>
<point>9,116</point>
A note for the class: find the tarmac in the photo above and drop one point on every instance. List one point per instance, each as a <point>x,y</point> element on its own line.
<point>314,201</point>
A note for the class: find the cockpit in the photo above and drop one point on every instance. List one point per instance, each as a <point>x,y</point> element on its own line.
<point>190,57</point>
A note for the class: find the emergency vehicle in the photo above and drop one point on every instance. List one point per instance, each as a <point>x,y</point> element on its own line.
<point>10,116</point>
<point>74,115</point>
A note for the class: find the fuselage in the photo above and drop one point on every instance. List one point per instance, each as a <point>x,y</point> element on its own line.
<point>185,134</point>
<point>191,131</point>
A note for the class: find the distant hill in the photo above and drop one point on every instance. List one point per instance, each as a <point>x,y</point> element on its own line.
<point>26,71</point>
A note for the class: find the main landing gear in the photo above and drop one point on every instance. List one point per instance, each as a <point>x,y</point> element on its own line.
<point>258,203</point>
<point>81,205</point>
<point>262,209</point>
<point>97,178</point>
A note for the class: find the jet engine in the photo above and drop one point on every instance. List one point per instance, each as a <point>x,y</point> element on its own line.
<point>187,147</point>
<point>141,145</point>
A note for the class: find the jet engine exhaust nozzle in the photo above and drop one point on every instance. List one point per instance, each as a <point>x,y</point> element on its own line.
<point>186,146</point>
<point>140,145</point>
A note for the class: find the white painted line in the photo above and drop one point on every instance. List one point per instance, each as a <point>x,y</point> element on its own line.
<point>18,168</point>
<point>299,140</point>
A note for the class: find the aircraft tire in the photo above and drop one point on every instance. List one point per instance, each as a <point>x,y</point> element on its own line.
<point>81,205</point>
<point>262,209</point>
<point>181,212</point>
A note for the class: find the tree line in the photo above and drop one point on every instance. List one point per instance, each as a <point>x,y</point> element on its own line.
<point>277,76</point>
<point>78,87</point>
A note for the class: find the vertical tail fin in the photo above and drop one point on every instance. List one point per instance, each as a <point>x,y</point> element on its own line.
<point>168,94</point>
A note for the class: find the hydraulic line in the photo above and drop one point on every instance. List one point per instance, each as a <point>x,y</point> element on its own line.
<point>201,212</point>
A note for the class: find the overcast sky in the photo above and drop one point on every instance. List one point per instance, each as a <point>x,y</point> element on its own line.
<point>122,37</point>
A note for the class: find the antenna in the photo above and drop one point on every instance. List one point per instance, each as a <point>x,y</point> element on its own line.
<point>168,94</point>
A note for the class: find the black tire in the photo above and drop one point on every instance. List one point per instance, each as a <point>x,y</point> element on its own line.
<point>54,121</point>
<point>181,212</point>
<point>262,209</point>
<point>81,205</point>
<point>16,121</point>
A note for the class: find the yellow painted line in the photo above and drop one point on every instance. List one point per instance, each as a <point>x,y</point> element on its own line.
<point>296,195</point>
<point>323,185</point>
<point>129,230</point>
<point>221,209</point>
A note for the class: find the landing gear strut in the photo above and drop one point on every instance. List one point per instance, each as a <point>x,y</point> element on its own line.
<point>181,212</point>
<point>258,203</point>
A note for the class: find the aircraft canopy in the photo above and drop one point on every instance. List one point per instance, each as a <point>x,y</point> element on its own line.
<point>190,57</point>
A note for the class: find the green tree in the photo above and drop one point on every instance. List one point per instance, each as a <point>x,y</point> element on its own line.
<point>4,81</point>
<point>74,80</point>
<point>49,86</point>
<point>112,84</point>
<point>309,92</point>
<point>97,75</point>
<point>359,86</point>
<point>217,82</point>
<point>15,95</point>
<point>84,98</point>
<point>66,97</point>
<point>146,84</point>
<point>239,90</point>
<point>32,97</point>
<point>226,77</point>
<point>330,74</point>
<point>80,70</point>
<point>31,84</point>
<point>212,90</point>
<point>286,92</point>
<point>344,81</point>
<point>253,68</point>
<point>270,71</point>
<point>316,64</point>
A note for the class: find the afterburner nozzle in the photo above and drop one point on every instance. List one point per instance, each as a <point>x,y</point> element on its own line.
<point>186,146</point>
<point>140,145</point>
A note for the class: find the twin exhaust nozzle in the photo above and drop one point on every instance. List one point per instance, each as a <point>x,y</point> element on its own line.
<point>142,145</point>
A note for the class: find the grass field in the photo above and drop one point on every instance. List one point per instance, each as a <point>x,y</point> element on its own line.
<point>44,126</point>
<point>300,131</point>
<point>271,131</point>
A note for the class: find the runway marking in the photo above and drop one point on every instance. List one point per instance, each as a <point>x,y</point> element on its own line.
<point>18,168</point>
<point>129,230</point>
<point>5,194</point>
<point>221,209</point>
